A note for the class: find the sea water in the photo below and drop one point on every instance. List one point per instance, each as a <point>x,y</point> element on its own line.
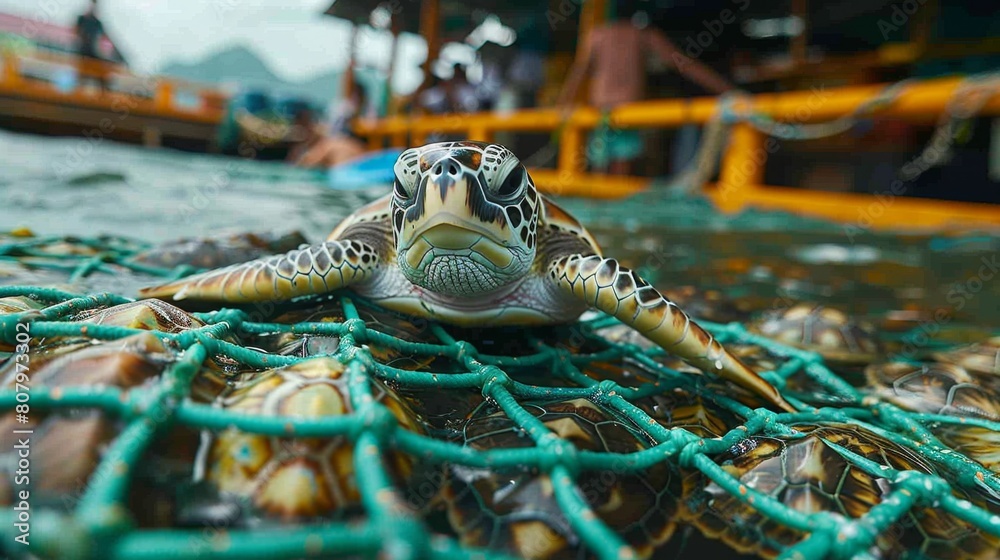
<point>86,187</point>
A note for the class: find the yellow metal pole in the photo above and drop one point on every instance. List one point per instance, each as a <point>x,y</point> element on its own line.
<point>923,26</point>
<point>800,43</point>
<point>430,29</point>
<point>394,27</point>
<point>480,134</point>
<point>349,85</point>
<point>571,156</point>
<point>164,95</point>
<point>742,167</point>
<point>11,71</point>
<point>919,102</point>
<point>418,136</point>
<point>398,139</point>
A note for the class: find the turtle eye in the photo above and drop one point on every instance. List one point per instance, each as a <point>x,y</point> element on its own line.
<point>400,194</point>
<point>511,184</point>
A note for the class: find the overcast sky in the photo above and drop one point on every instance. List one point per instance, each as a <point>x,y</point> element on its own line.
<point>290,36</point>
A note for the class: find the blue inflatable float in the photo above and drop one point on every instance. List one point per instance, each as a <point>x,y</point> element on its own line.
<point>369,170</point>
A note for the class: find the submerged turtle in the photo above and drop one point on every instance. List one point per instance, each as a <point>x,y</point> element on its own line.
<point>219,251</point>
<point>830,332</point>
<point>948,390</point>
<point>809,475</point>
<point>465,238</point>
<point>983,357</point>
<point>515,509</point>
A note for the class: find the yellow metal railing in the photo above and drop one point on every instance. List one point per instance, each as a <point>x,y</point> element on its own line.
<point>32,76</point>
<point>745,157</point>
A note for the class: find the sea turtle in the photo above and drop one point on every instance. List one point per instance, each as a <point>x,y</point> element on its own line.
<point>808,474</point>
<point>297,478</point>
<point>982,357</point>
<point>835,335</point>
<point>68,443</point>
<point>465,238</point>
<point>213,252</point>
<point>948,390</point>
<point>515,509</point>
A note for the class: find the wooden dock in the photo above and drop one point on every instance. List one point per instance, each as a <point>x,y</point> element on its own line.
<point>55,94</point>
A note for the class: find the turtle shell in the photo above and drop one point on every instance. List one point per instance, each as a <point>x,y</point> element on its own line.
<point>983,357</point>
<point>68,443</point>
<point>294,478</point>
<point>382,321</point>
<point>515,510</point>
<point>216,252</point>
<point>159,316</point>
<point>949,390</point>
<point>830,332</point>
<point>147,314</point>
<point>756,357</point>
<point>807,475</point>
<point>16,304</point>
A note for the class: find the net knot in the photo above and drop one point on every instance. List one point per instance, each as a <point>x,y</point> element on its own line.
<point>357,328</point>
<point>690,450</point>
<point>492,377</point>
<point>605,390</point>
<point>464,350</point>
<point>233,318</point>
<point>376,420</point>
<point>559,452</point>
<point>404,539</point>
<point>929,487</point>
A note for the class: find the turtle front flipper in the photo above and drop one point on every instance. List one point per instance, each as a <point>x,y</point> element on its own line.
<point>604,284</point>
<point>313,270</point>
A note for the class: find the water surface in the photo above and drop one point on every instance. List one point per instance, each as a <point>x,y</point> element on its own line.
<point>60,186</point>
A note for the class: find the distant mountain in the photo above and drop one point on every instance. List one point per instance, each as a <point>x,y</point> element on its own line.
<point>239,65</point>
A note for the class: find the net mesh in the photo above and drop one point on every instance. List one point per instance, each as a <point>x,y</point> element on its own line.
<point>100,525</point>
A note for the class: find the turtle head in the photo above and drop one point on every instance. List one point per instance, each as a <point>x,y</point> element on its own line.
<point>463,217</point>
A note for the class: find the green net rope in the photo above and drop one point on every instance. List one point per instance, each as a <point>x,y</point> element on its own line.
<point>100,526</point>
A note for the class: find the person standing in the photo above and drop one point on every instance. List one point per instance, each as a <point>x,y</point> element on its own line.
<point>615,56</point>
<point>89,30</point>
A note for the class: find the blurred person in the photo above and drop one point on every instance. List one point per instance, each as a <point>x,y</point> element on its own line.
<point>89,30</point>
<point>349,107</point>
<point>526,76</point>
<point>453,95</point>
<point>526,71</point>
<point>317,149</point>
<point>615,56</point>
<point>450,96</point>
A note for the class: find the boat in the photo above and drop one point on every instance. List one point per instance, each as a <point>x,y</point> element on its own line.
<point>258,126</point>
<point>370,170</point>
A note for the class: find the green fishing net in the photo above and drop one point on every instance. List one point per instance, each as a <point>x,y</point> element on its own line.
<point>930,498</point>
